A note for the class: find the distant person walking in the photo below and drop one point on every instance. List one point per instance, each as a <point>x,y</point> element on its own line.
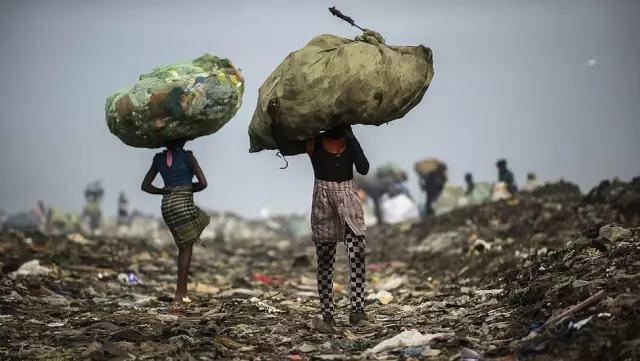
<point>532,183</point>
<point>402,184</point>
<point>337,213</point>
<point>432,184</point>
<point>471,184</point>
<point>44,216</point>
<point>123,209</point>
<point>177,167</point>
<point>93,194</point>
<point>505,175</point>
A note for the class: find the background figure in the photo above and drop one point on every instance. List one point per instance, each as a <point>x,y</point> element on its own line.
<point>94,191</point>
<point>44,217</point>
<point>375,191</point>
<point>531,183</point>
<point>58,222</point>
<point>468,179</point>
<point>3,219</point>
<point>432,184</point>
<point>123,210</point>
<point>375,187</point>
<point>93,194</point>
<point>506,176</point>
<point>402,186</point>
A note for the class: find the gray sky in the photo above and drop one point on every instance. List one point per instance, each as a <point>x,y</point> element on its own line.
<point>511,81</point>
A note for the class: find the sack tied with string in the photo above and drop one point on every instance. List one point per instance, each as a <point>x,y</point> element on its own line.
<point>334,80</point>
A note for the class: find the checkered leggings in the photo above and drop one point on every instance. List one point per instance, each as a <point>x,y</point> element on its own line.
<point>326,253</point>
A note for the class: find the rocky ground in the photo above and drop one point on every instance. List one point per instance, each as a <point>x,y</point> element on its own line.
<point>552,275</point>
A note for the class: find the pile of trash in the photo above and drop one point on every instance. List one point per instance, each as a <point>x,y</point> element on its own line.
<point>542,218</point>
<point>548,275</point>
<point>152,229</point>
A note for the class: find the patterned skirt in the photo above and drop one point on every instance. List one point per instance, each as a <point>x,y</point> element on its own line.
<point>185,221</point>
<point>336,206</point>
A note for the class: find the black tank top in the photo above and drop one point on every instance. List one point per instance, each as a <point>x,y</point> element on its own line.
<point>328,166</point>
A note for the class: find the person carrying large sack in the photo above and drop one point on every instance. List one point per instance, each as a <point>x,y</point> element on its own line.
<point>337,212</point>
<point>433,177</point>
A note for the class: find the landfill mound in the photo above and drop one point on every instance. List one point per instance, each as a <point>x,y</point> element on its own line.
<point>548,275</point>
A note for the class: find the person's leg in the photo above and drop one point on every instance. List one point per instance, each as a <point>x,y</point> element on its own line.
<point>427,205</point>
<point>185,292</point>
<point>355,247</point>
<point>184,260</point>
<point>377,209</point>
<point>326,255</point>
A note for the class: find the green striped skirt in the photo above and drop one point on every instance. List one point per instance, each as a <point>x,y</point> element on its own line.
<point>185,221</point>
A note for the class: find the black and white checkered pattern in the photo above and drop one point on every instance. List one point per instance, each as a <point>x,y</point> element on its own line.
<point>355,248</point>
<point>326,254</point>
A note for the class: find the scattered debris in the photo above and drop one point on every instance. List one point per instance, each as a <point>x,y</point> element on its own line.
<point>556,274</point>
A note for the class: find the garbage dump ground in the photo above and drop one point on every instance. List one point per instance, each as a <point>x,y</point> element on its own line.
<point>551,275</point>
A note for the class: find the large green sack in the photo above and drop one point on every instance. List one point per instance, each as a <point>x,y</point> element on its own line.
<point>334,80</point>
<point>180,101</point>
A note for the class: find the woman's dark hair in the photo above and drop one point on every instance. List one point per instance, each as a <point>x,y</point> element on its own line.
<point>336,132</point>
<point>501,163</point>
<point>175,143</point>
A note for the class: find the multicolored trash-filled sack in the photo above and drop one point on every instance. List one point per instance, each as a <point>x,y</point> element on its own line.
<point>334,80</point>
<point>181,101</point>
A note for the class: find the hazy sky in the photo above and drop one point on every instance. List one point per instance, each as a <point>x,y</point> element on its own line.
<point>512,79</point>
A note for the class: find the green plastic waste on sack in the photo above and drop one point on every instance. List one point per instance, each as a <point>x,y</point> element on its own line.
<point>180,101</point>
<point>334,80</point>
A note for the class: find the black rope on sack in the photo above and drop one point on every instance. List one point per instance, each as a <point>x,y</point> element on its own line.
<point>286,162</point>
<point>335,12</point>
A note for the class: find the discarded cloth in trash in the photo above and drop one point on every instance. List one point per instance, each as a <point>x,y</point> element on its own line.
<point>334,80</point>
<point>408,338</point>
<point>181,101</point>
